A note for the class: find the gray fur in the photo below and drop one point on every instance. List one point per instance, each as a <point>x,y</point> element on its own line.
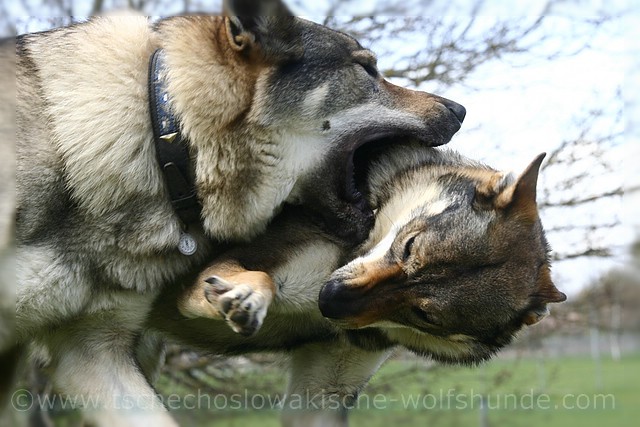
<point>96,234</point>
<point>467,285</point>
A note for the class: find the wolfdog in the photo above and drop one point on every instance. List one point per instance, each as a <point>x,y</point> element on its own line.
<point>456,264</point>
<point>145,148</point>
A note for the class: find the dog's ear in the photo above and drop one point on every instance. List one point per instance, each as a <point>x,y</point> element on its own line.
<point>266,27</point>
<point>489,188</point>
<point>519,198</point>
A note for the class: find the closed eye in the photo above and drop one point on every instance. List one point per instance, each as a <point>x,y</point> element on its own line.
<point>408,247</point>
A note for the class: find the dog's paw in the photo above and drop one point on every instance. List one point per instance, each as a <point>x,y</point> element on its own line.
<point>243,308</point>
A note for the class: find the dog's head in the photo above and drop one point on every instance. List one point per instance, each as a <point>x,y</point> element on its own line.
<point>457,263</point>
<point>319,93</point>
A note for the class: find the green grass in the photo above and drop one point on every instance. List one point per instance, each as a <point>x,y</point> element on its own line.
<point>525,392</point>
<point>559,392</point>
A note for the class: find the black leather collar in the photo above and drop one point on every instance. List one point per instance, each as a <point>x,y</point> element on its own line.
<point>171,148</point>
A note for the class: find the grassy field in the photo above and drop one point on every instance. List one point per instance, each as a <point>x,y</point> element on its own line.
<point>523,392</point>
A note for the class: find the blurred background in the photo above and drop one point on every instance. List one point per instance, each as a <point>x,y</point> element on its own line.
<point>559,76</point>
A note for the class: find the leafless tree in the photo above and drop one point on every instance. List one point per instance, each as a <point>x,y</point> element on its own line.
<point>585,180</point>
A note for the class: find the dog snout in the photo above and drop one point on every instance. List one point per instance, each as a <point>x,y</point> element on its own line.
<point>458,110</point>
<point>336,300</point>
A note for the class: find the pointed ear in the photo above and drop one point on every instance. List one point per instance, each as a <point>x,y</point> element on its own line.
<point>264,25</point>
<point>519,198</point>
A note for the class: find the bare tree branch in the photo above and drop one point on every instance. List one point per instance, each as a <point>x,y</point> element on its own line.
<point>582,200</point>
<point>590,252</point>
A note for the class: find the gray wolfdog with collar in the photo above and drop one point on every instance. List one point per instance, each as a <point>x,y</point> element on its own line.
<point>456,264</point>
<point>130,176</point>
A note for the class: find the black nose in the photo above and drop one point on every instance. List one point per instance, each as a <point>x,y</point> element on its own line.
<point>336,301</point>
<point>458,110</point>
<point>329,293</point>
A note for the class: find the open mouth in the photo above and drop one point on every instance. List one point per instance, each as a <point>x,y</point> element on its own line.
<point>338,191</point>
<point>360,161</point>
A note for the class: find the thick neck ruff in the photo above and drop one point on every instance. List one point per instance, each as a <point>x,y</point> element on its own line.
<point>171,148</point>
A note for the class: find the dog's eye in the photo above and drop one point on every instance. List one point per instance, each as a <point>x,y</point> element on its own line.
<point>407,248</point>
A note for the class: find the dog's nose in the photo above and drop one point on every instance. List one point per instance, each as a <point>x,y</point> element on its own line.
<point>458,110</point>
<point>335,301</point>
<point>327,299</point>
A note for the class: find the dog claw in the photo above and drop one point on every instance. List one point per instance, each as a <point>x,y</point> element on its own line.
<point>243,309</point>
<point>218,285</point>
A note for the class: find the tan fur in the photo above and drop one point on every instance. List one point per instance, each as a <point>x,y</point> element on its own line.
<point>374,273</point>
<point>239,147</point>
<point>265,102</point>
<point>491,282</point>
<point>374,269</point>
<point>375,280</point>
<point>82,128</point>
<point>469,282</point>
<point>193,303</point>
<point>407,98</point>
